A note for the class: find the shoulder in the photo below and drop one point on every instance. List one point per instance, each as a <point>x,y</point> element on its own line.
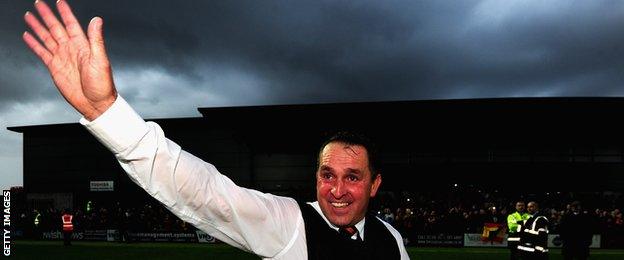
<point>541,219</point>
<point>312,213</point>
<point>312,208</point>
<point>397,236</point>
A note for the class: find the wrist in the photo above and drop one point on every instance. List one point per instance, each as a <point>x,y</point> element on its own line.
<point>99,108</point>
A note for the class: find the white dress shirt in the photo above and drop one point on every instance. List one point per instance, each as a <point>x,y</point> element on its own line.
<point>267,225</point>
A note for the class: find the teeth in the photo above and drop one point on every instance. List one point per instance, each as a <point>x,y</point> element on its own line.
<point>340,205</point>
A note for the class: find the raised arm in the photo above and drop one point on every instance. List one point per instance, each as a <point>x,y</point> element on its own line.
<point>78,64</point>
<point>192,189</point>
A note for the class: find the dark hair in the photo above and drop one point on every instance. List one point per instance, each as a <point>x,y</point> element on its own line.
<point>355,138</point>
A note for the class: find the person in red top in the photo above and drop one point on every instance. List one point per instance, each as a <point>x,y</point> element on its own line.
<point>68,227</point>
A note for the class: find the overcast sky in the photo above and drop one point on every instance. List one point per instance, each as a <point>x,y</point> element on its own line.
<point>170,57</point>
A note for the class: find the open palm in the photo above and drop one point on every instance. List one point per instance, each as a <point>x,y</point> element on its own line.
<point>78,65</point>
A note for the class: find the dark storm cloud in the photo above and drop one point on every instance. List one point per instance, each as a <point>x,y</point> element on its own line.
<point>537,50</point>
<point>309,51</point>
<point>362,50</point>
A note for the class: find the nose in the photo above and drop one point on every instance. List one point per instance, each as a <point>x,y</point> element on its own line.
<point>338,190</point>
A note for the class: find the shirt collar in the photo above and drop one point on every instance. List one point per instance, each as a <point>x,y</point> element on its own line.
<point>359,226</point>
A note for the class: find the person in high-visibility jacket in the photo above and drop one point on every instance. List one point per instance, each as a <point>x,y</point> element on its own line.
<point>36,219</point>
<point>534,235</point>
<point>36,232</point>
<point>68,227</point>
<point>513,222</point>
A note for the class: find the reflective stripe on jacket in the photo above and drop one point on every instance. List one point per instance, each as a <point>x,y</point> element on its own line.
<point>534,235</point>
<point>67,222</point>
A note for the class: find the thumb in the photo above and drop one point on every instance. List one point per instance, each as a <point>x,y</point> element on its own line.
<point>96,40</point>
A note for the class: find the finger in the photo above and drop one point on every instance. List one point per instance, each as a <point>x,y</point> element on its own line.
<point>96,40</point>
<point>37,48</point>
<point>41,32</point>
<point>71,23</point>
<point>54,26</point>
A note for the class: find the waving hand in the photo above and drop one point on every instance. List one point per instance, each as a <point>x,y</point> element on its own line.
<point>77,63</point>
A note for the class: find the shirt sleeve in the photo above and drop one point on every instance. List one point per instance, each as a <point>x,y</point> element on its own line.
<point>194,190</point>
<point>512,223</point>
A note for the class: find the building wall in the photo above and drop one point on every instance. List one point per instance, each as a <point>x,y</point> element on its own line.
<point>425,146</point>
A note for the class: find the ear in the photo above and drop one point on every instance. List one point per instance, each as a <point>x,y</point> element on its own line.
<point>375,185</point>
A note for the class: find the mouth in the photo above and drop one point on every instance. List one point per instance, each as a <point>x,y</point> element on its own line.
<point>340,204</point>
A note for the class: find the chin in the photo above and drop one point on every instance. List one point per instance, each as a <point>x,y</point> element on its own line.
<point>340,222</point>
<point>345,220</point>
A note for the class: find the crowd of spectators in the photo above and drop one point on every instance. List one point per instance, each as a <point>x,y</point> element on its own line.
<point>151,217</point>
<point>466,210</point>
<point>456,212</point>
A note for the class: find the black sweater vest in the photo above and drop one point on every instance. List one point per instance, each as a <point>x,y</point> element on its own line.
<point>326,243</point>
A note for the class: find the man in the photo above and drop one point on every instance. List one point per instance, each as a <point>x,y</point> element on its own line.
<point>36,221</point>
<point>576,232</point>
<point>513,221</point>
<point>388,216</point>
<point>68,227</point>
<point>336,226</point>
<point>534,235</point>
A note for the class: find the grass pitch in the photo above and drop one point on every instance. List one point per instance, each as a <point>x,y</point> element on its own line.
<point>178,251</point>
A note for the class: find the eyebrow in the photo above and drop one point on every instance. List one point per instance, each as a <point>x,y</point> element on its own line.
<point>349,170</point>
<point>326,168</point>
<point>355,171</point>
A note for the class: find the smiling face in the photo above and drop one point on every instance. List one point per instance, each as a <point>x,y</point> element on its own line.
<point>344,183</point>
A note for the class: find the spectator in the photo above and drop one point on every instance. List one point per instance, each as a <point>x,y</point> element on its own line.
<point>577,229</point>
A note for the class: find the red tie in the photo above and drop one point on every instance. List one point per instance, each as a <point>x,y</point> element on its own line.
<point>348,231</point>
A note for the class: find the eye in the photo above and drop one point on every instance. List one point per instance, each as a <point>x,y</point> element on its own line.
<point>352,178</point>
<point>326,175</point>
